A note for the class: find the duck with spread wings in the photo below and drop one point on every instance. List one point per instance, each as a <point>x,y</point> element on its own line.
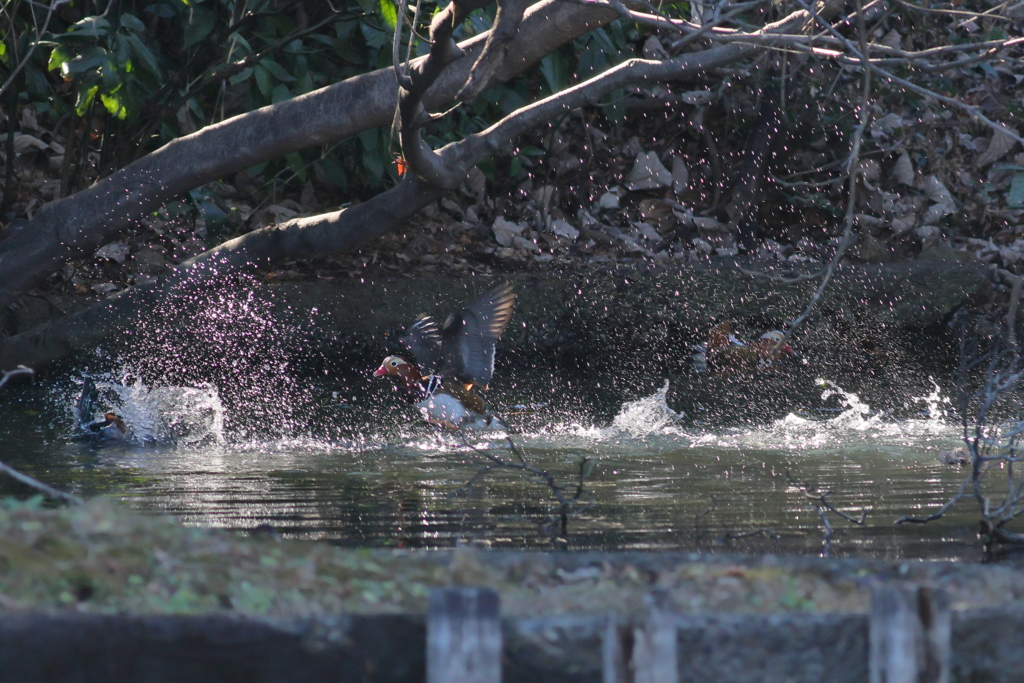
<point>453,362</point>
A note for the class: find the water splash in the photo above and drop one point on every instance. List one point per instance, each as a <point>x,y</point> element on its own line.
<point>936,404</point>
<point>179,415</point>
<point>647,415</point>
<point>853,425</point>
<point>858,415</point>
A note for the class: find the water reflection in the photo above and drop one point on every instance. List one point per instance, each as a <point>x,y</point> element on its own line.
<point>659,481</point>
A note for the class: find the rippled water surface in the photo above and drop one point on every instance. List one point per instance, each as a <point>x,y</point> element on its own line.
<point>653,479</point>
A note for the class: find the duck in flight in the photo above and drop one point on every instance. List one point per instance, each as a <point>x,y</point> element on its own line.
<point>453,363</point>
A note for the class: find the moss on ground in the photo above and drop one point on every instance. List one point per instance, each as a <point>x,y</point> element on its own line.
<point>102,557</point>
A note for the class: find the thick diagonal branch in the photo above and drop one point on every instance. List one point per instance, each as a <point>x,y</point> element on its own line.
<point>506,24</point>
<point>83,222</point>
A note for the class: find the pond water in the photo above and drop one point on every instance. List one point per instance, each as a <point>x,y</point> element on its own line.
<point>654,479</point>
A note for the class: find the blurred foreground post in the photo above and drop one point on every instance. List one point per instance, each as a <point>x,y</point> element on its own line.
<point>463,636</point>
<point>911,634</point>
<point>648,652</point>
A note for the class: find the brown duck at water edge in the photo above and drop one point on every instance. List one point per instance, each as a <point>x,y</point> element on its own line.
<point>723,353</point>
<point>453,362</point>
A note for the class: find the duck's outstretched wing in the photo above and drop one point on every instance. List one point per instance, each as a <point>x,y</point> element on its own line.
<point>468,337</point>
<point>86,408</point>
<point>424,341</point>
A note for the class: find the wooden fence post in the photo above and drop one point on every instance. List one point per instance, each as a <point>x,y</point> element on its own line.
<point>463,636</point>
<point>911,634</point>
<point>655,642</point>
<point>616,649</point>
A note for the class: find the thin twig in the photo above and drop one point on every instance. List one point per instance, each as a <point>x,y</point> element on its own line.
<point>851,169</point>
<point>33,45</point>
<point>6,375</point>
<point>862,54</point>
<point>772,534</point>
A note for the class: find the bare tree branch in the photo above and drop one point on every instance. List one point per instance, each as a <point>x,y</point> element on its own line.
<point>506,24</point>
<point>85,221</point>
<point>974,111</point>
<point>566,505</point>
<point>340,231</point>
<point>851,170</point>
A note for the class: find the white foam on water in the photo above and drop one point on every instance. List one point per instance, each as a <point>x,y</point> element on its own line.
<point>648,415</point>
<point>648,425</point>
<point>855,424</point>
<point>166,415</point>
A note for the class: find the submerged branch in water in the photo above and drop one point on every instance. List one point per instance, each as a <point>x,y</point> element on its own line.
<point>47,491</point>
<point>942,510</point>
<point>770,533</point>
<point>820,503</point>
<point>566,505</point>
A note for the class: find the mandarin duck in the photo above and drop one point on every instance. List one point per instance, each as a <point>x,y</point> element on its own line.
<point>453,362</point>
<point>107,428</point>
<point>723,353</point>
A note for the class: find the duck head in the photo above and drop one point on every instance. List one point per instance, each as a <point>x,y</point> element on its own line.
<point>115,421</point>
<point>776,343</point>
<point>396,366</point>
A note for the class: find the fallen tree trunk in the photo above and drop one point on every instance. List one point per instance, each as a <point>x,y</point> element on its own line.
<point>88,219</point>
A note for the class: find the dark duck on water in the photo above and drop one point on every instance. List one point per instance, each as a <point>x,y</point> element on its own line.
<point>107,428</point>
<point>453,362</point>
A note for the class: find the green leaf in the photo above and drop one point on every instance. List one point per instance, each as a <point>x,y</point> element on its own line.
<point>297,165</point>
<point>144,56</point>
<point>372,162</point>
<point>60,56</point>
<point>375,37</point>
<point>334,171</point>
<point>37,84</point>
<point>114,105</point>
<point>94,27</point>
<point>84,99</point>
<point>132,23</point>
<point>264,81</point>
<point>209,210</point>
<point>88,60</point>
<point>389,12</point>
<point>241,42</point>
<point>111,75</point>
<point>196,109</point>
<point>1015,197</point>
<point>556,68</point>
<point>242,76</point>
<point>277,70</point>
<point>282,93</point>
<point>3,52</point>
<point>200,25</point>
<point>489,169</point>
